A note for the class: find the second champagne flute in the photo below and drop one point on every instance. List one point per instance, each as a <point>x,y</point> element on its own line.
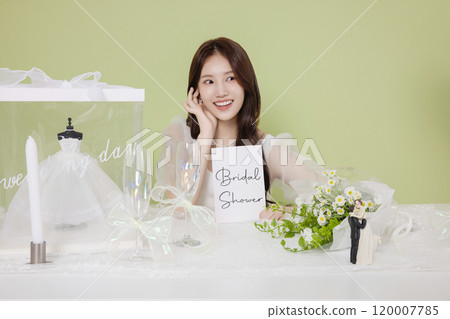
<point>187,175</point>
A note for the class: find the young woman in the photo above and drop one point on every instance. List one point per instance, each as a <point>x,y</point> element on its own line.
<point>224,106</point>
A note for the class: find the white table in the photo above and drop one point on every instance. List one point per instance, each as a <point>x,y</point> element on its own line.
<point>246,264</point>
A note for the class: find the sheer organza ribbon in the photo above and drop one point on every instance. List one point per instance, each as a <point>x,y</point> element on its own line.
<point>402,230</point>
<point>39,79</point>
<point>440,222</point>
<point>154,232</point>
<point>201,216</point>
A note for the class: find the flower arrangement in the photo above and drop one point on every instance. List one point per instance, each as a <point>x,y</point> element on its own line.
<point>314,222</point>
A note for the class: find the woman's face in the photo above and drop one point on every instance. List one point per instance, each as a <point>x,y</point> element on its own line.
<point>358,204</point>
<point>219,90</point>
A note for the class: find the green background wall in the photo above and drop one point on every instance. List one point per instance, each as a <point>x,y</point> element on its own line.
<point>377,100</point>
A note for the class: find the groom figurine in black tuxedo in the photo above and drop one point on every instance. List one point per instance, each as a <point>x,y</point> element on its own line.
<point>355,225</point>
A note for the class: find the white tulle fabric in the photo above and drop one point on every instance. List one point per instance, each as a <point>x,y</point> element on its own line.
<point>76,197</point>
<point>2,214</point>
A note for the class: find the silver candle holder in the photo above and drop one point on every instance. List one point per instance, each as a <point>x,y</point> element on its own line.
<point>38,253</point>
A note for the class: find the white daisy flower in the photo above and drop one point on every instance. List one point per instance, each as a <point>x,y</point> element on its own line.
<point>340,211</point>
<point>350,200</point>
<point>334,205</point>
<point>356,195</point>
<point>307,235</point>
<point>322,210</point>
<point>331,182</point>
<point>321,220</point>
<point>328,190</point>
<point>332,172</point>
<point>321,187</point>
<point>340,200</point>
<point>318,194</point>
<point>349,191</point>
<point>369,204</point>
<point>325,173</point>
<point>328,212</point>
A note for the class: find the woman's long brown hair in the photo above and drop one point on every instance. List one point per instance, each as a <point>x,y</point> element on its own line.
<point>248,116</point>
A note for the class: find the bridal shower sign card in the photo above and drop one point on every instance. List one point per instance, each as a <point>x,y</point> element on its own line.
<point>239,193</point>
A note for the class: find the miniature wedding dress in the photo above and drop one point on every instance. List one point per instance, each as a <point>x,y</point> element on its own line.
<point>76,197</point>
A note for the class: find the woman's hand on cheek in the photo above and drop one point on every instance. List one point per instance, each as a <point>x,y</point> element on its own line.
<point>206,120</point>
<point>210,127</point>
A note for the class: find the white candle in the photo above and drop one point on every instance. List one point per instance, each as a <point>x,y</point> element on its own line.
<point>33,191</point>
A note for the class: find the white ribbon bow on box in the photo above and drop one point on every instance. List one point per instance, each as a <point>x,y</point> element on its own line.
<point>39,79</point>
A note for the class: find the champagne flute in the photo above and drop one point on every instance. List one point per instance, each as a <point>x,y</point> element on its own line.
<point>187,175</point>
<point>137,183</point>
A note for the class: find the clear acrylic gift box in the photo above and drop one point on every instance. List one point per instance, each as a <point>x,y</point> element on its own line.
<point>75,174</point>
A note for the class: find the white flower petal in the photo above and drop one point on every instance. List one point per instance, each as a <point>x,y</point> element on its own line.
<point>340,200</point>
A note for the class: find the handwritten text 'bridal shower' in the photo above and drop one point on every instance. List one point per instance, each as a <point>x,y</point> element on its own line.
<point>225,178</point>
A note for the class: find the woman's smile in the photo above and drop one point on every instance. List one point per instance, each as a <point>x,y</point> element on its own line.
<point>223,105</point>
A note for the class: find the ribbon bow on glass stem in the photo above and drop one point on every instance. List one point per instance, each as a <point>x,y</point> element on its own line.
<point>200,216</point>
<point>151,234</point>
<point>137,182</point>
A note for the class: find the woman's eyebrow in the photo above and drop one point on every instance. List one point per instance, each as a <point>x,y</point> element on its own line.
<point>209,75</point>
